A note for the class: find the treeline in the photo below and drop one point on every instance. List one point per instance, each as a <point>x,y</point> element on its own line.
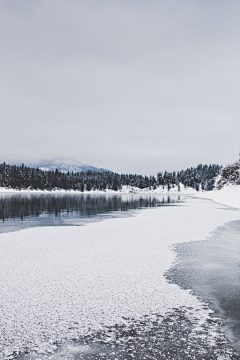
<point>230,174</point>
<point>201,177</point>
<point>22,177</point>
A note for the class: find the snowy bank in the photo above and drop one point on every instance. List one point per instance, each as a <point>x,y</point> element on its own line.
<point>228,195</point>
<point>125,190</point>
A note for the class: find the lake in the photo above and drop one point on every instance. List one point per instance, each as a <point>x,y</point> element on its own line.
<point>101,292</point>
<point>19,211</point>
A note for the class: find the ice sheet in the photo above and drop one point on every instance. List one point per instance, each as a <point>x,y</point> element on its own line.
<point>60,282</point>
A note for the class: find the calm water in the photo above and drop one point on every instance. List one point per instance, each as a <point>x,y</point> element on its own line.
<point>18,211</point>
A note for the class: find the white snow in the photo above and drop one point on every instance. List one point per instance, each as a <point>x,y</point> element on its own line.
<point>125,189</point>
<point>159,190</point>
<point>228,195</point>
<point>60,282</point>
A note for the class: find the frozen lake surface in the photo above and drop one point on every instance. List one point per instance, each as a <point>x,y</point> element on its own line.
<point>100,292</point>
<point>211,269</point>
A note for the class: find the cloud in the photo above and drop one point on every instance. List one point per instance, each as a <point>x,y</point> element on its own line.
<point>132,86</point>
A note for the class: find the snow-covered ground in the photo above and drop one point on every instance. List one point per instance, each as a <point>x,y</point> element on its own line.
<point>125,190</point>
<point>58,283</point>
<point>228,195</point>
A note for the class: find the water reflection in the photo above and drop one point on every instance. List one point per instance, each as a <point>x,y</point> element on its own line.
<point>24,210</point>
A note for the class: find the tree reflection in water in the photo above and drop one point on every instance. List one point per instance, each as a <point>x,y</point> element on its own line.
<point>55,209</point>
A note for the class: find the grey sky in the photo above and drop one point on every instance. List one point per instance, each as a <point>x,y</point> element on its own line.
<point>132,86</point>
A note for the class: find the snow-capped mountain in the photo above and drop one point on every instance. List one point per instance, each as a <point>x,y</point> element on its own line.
<point>65,165</point>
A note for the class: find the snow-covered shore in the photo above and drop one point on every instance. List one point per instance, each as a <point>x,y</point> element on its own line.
<point>228,195</point>
<point>125,190</point>
<point>59,283</point>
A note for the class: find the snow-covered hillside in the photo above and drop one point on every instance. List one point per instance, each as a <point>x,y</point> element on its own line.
<point>65,165</point>
<point>229,195</point>
<point>227,186</point>
<point>230,175</point>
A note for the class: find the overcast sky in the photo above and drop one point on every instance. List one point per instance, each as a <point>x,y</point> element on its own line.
<point>131,86</point>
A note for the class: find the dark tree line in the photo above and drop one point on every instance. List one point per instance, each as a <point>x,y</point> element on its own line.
<point>201,177</point>
<point>22,177</point>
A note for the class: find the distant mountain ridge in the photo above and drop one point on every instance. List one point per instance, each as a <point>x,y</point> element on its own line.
<point>65,166</point>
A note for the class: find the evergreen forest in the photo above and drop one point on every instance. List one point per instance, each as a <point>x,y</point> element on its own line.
<point>201,177</point>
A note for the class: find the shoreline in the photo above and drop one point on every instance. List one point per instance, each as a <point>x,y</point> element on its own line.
<point>228,196</point>
<point>210,269</point>
<point>125,190</point>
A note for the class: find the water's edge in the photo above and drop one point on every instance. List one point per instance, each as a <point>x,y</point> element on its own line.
<point>21,211</point>
<point>210,270</point>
